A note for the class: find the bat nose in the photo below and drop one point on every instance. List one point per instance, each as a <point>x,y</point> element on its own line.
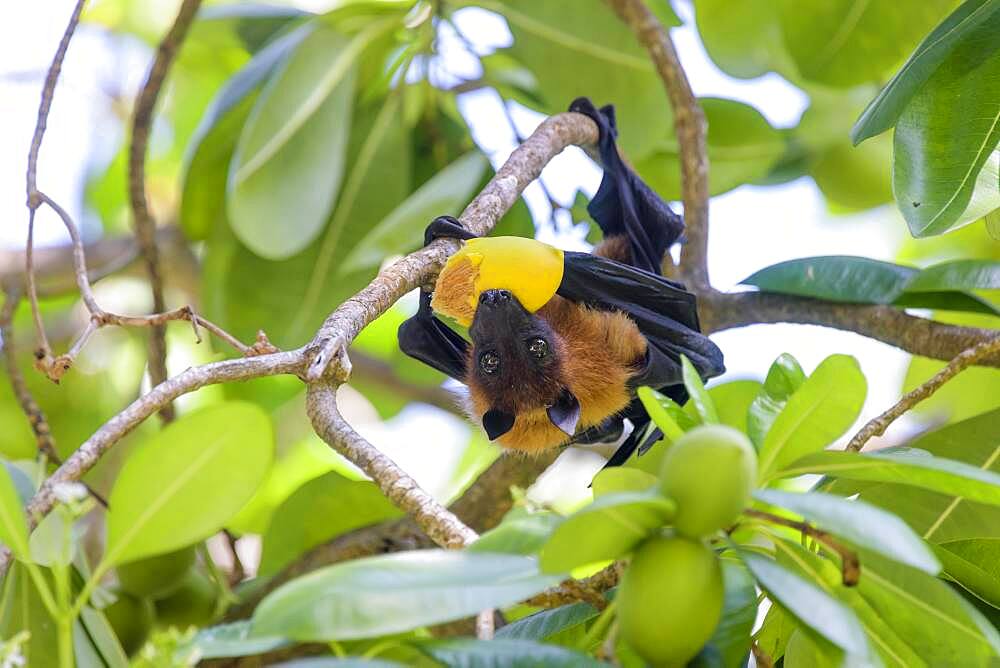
<point>494,297</point>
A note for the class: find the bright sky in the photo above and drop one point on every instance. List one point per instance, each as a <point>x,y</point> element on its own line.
<point>752,227</point>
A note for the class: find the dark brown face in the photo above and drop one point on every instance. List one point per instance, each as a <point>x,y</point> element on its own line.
<point>515,363</point>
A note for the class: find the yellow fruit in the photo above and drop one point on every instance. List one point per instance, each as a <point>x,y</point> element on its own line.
<point>710,473</point>
<point>497,263</point>
<point>131,617</point>
<point>670,599</point>
<point>157,576</point>
<point>192,604</point>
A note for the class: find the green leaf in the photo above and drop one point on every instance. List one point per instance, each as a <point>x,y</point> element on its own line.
<point>939,178</point>
<point>345,504</point>
<point>783,378</point>
<point>446,192</point>
<point>664,411</point>
<point>809,604</point>
<point>548,623</point>
<point>775,631</point>
<point>520,532</point>
<point>819,412</point>
<point>393,593</point>
<point>229,640</point>
<point>915,468</point>
<point>732,402</point>
<point>206,163</point>
<point>101,636</point>
<point>739,612</point>
<point>558,39</point>
<point>21,609</point>
<point>339,662</point>
<point>854,178</point>
<point>883,112</point>
<point>617,479</point>
<point>859,524</point>
<point>838,278</point>
<point>287,169</point>
<point>699,397</point>
<point>943,627</point>
<point>606,529</point>
<point>845,43</point>
<point>893,649</point>
<point>255,24</point>
<point>183,484</point>
<point>974,564</point>
<point>13,523</point>
<point>505,653</point>
<point>743,38</point>
<point>957,275</point>
<point>946,517</point>
<point>379,178</point>
<point>742,148</point>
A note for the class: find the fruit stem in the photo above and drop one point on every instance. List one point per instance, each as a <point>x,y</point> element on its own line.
<point>850,565</point>
<point>599,628</point>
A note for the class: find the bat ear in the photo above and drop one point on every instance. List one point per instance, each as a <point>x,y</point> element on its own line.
<point>565,413</point>
<point>497,422</point>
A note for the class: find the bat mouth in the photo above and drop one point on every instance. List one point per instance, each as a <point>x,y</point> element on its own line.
<point>499,314</point>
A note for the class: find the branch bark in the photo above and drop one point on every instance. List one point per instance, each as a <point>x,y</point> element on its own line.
<point>145,226</point>
<point>878,425</point>
<point>690,127</point>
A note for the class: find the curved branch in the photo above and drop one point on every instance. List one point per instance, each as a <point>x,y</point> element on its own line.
<point>690,126</point>
<point>145,226</point>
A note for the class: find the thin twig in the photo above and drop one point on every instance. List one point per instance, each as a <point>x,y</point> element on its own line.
<point>485,626</point>
<point>878,425</point>
<point>56,367</point>
<point>145,226</point>
<point>44,351</point>
<point>237,572</point>
<point>36,417</point>
<point>762,658</point>
<point>850,565</point>
<point>690,126</point>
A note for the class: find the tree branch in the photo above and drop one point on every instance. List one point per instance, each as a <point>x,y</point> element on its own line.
<point>44,351</point>
<point>878,425</point>
<point>690,126</point>
<point>850,565</point>
<point>919,336</point>
<point>145,226</point>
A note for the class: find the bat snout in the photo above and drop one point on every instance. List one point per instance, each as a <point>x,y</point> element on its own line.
<point>495,298</point>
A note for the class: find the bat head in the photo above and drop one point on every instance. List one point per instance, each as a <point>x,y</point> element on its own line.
<point>516,364</point>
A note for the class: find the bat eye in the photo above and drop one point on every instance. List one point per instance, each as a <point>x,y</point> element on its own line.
<point>538,347</point>
<point>489,362</point>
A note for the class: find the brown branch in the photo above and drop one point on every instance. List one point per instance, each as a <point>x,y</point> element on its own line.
<point>762,658</point>
<point>850,565</point>
<point>36,418</point>
<point>690,126</point>
<point>919,336</point>
<point>44,351</point>
<point>145,226</point>
<point>32,411</point>
<point>443,527</point>
<point>877,426</point>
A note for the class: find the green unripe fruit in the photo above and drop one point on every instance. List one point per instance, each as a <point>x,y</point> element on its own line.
<point>710,473</point>
<point>192,604</point>
<point>157,576</point>
<point>670,599</point>
<point>131,617</point>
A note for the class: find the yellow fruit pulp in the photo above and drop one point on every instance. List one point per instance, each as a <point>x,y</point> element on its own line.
<point>529,269</point>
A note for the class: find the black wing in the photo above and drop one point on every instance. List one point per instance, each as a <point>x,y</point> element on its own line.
<point>432,342</point>
<point>624,204</point>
